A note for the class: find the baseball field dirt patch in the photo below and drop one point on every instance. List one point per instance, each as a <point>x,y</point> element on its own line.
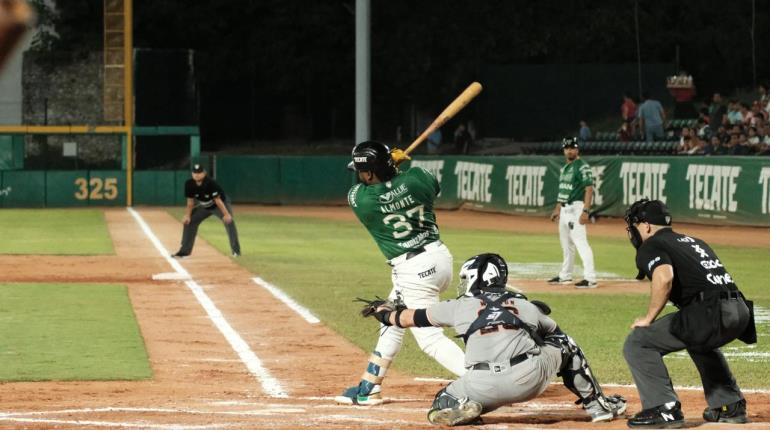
<point>226,353</point>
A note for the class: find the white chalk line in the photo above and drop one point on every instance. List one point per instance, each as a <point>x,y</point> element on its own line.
<point>271,385</point>
<point>142,425</point>
<point>288,301</point>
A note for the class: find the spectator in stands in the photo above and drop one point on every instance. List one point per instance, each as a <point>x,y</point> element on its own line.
<point>759,114</point>
<point>462,139</point>
<point>628,112</point>
<point>651,118</point>
<point>753,137</point>
<point>696,146</point>
<point>685,145</point>
<point>585,132</point>
<point>762,91</point>
<point>471,131</point>
<point>717,146</point>
<point>717,112</point>
<point>739,146</point>
<point>748,116</point>
<point>711,145</point>
<point>684,137</point>
<point>702,129</point>
<point>733,113</point>
<point>625,133</point>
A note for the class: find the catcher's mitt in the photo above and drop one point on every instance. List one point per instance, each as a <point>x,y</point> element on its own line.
<point>385,307</point>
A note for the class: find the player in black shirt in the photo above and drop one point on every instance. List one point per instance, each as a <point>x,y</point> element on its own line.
<point>712,312</point>
<point>205,198</point>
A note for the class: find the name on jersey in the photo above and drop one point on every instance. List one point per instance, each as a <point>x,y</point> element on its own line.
<point>764,179</point>
<point>643,180</point>
<point>712,188</point>
<point>473,181</point>
<point>400,204</point>
<point>525,185</point>
<point>393,194</point>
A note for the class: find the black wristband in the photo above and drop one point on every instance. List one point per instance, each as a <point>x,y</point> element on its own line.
<point>398,318</point>
<point>421,318</point>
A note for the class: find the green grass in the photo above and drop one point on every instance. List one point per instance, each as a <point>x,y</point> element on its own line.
<point>69,332</point>
<point>325,264</point>
<point>54,231</point>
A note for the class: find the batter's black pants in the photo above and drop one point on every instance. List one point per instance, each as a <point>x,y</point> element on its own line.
<point>196,218</point>
<point>645,347</point>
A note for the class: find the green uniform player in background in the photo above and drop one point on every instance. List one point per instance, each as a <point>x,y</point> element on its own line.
<point>396,208</point>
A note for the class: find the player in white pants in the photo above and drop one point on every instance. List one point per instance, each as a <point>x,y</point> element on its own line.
<point>572,208</point>
<point>396,208</point>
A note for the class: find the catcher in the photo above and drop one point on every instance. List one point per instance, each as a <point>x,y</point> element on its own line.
<point>513,349</point>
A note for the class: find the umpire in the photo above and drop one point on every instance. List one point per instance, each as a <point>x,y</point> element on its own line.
<point>712,312</point>
<point>205,198</point>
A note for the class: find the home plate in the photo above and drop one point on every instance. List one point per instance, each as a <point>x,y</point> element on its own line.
<point>170,276</point>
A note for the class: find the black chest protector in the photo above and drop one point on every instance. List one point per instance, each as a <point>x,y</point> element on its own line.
<point>494,315</point>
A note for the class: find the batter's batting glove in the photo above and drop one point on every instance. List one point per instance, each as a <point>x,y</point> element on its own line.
<point>399,156</point>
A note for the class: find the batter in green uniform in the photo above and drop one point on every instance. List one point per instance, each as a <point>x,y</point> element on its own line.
<point>396,208</point>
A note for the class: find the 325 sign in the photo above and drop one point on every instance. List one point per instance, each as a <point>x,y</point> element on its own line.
<point>96,188</point>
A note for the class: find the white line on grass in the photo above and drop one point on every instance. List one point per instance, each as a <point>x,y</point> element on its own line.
<point>288,301</point>
<point>271,385</point>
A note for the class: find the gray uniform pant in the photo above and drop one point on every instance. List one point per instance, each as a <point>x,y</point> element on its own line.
<point>645,347</point>
<point>199,214</point>
<point>504,384</point>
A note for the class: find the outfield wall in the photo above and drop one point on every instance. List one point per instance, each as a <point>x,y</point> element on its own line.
<point>714,190</point>
<point>718,190</point>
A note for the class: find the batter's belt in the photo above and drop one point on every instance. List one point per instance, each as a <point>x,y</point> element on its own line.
<point>411,254</point>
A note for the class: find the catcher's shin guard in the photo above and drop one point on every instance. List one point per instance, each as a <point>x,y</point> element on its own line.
<point>368,390</point>
<point>578,378</point>
<point>448,410</point>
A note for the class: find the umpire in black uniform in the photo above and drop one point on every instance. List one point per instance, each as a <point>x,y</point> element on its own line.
<point>205,198</point>
<point>712,312</point>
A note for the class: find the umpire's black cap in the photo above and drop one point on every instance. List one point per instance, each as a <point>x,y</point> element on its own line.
<point>569,142</point>
<point>198,168</point>
<point>651,211</point>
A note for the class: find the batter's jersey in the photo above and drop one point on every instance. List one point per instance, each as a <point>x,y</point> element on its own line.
<point>398,213</point>
<point>497,345</point>
<point>573,180</point>
<point>204,193</point>
<point>696,266</point>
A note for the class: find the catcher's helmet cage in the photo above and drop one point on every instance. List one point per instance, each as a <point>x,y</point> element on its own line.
<point>480,272</point>
<point>372,156</point>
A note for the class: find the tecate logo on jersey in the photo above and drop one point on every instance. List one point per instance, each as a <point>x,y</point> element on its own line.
<point>393,194</point>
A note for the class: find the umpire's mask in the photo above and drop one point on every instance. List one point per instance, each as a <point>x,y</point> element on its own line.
<point>483,271</point>
<point>650,211</point>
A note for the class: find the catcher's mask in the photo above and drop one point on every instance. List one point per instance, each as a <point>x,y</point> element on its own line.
<point>372,156</point>
<point>483,271</point>
<point>650,211</point>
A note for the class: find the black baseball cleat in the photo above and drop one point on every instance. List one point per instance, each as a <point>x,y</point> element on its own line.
<point>180,254</point>
<point>667,416</point>
<point>734,413</point>
<point>558,280</point>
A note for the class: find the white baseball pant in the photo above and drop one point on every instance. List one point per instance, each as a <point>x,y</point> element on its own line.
<point>419,280</point>
<point>572,235</point>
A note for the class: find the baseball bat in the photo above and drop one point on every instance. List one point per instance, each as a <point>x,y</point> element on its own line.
<point>456,106</point>
<point>16,16</point>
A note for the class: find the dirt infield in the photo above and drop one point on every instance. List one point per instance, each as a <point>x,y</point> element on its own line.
<point>201,382</point>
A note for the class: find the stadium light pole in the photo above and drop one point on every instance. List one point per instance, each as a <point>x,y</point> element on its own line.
<point>128,95</point>
<point>363,75</point>
<point>638,47</point>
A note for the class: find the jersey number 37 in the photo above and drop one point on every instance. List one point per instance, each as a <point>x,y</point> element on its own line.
<point>402,225</point>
